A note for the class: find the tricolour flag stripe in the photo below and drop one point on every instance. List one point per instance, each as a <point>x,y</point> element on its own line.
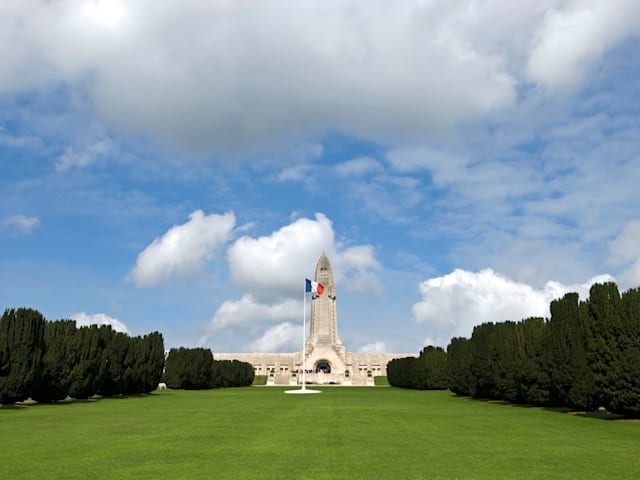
<point>314,287</point>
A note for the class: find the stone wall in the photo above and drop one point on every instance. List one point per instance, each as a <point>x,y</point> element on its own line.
<point>282,365</point>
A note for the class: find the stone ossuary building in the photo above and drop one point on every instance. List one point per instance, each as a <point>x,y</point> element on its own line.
<point>327,359</point>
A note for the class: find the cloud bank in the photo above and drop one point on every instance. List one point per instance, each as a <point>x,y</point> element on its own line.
<point>20,224</point>
<point>573,35</point>
<point>284,337</point>
<point>271,270</point>
<point>246,311</point>
<point>235,75</point>
<point>375,347</point>
<point>274,266</point>
<point>84,320</point>
<point>453,304</point>
<point>219,73</point>
<point>74,158</point>
<point>183,250</point>
<point>625,252</point>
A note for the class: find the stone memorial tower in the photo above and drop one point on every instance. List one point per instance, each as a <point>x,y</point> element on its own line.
<point>326,357</point>
<point>325,351</point>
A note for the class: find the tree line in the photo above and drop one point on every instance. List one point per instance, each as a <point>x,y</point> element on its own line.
<point>585,356</point>
<point>426,372</point>
<point>52,360</point>
<point>196,369</point>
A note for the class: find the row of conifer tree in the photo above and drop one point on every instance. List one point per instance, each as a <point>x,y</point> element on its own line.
<point>196,369</point>
<point>48,361</point>
<point>427,372</point>
<point>585,356</point>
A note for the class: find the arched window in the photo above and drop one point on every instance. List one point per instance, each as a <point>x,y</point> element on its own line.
<point>323,366</point>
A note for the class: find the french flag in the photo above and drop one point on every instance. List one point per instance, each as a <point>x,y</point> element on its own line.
<point>314,287</point>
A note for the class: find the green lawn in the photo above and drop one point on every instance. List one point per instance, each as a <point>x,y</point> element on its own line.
<point>350,433</point>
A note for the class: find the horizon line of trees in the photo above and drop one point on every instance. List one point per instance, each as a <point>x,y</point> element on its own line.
<point>49,361</point>
<point>426,372</point>
<point>585,356</point>
<point>197,369</point>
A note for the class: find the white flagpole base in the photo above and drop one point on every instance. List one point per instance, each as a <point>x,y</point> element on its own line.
<point>303,390</point>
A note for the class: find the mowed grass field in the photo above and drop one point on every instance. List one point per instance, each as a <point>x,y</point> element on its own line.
<point>343,433</point>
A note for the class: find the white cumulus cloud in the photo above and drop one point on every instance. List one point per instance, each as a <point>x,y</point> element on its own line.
<point>445,167</point>
<point>235,75</point>
<point>453,304</point>
<point>244,313</point>
<point>20,224</point>
<point>271,270</point>
<point>625,251</point>
<point>575,34</point>
<point>218,73</point>
<point>74,158</point>
<point>375,347</point>
<point>84,320</point>
<point>250,318</point>
<point>284,337</point>
<point>358,167</point>
<point>276,265</point>
<point>184,249</point>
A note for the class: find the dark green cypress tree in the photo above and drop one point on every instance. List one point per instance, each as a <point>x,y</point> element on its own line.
<point>627,386</point>
<point>174,370</point>
<point>133,365</point>
<point>459,365</point>
<point>403,372</point>
<point>115,361</point>
<point>427,371</point>
<point>614,352</point>
<point>571,377</point>
<point>202,373</point>
<point>393,372</point>
<point>564,314</point>
<point>414,377</point>
<point>153,345</point>
<point>53,379</point>
<point>483,366</point>
<point>134,361</point>
<point>435,367</point>
<point>503,355</point>
<point>86,375</point>
<point>533,362</point>
<point>418,372</point>
<point>21,346</point>
<point>222,374</point>
<point>247,374</point>
<point>189,368</point>
<point>606,340</point>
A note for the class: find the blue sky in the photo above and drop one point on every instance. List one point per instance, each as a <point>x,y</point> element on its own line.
<point>181,167</point>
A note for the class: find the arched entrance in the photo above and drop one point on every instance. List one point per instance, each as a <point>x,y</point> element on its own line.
<point>322,366</point>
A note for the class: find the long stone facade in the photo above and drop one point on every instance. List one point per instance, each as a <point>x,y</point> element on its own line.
<point>327,360</point>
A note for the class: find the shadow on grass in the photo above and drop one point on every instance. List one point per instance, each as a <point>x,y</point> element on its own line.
<point>73,401</point>
<point>599,414</point>
<point>13,406</point>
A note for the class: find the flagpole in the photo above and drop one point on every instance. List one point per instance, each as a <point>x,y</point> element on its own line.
<point>304,346</point>
<point>304,340</point>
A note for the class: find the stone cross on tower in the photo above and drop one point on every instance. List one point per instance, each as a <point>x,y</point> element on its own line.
<point>323,340</point>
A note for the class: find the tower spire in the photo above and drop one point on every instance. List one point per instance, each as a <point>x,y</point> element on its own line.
<point>324,318</point>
